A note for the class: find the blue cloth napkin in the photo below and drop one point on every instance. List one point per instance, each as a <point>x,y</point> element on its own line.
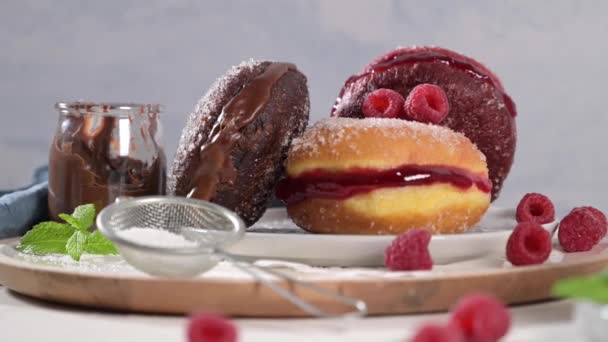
<point>21,209</point>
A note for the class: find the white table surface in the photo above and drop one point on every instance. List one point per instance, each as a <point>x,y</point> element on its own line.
<point>24,319</point>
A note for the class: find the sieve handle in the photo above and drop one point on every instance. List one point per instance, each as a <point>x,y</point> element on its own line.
<point>359,306</point>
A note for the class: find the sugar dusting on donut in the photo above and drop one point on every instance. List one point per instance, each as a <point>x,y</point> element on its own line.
<point>192,137</point>
<point>346,130</point>
<point>339,178</point>
<point>259,154</point>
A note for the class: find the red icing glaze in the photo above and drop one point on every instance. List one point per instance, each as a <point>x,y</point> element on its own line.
<point>475,70</point>
<point>341,185</point>
<point>479,67</point>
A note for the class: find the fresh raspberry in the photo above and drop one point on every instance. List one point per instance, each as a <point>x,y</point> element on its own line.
<point>529,244</point>
<point>536,208</point>
<point>438,333</point>
<point>481,318</point>
<point>409,251</point>
<point>580,230</point>
<point>427,103</point>
<point>383,103</point>
<point>211,328</point>
<point>601,217</point>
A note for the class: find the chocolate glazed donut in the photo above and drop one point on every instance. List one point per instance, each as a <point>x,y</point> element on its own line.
<point>232,149</point>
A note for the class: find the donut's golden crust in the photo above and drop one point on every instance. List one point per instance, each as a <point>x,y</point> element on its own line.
<point>340,144</point>
<point>393,211</point>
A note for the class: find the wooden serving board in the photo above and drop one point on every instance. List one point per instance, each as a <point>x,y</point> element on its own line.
<point>242,296</point>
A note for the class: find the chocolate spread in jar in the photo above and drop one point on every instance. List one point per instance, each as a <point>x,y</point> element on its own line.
<point>216,164</point>
<point>89,163</point>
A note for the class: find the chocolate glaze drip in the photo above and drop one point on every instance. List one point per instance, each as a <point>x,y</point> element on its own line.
<point>216,164</point>
<point>344,184</point>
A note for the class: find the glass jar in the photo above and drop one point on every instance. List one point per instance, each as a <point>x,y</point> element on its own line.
<point>102,151</point>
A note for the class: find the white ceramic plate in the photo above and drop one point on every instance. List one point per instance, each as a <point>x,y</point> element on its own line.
<point>275,236</point>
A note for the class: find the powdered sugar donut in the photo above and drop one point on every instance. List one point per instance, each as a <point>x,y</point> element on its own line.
<point>384,176</point>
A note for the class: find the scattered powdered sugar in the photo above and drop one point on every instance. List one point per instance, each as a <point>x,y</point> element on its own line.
<point>556,256</point>
<point>285,225</point>
<point>89,263</point>
<point>155,237</point>
<point>225,270</point>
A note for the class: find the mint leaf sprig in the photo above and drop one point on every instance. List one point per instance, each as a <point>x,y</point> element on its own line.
<point>72,238</point>
<point>593,288</point>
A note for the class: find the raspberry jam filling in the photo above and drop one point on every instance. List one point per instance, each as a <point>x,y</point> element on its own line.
<point>341,185</point>
<point>454,62</point>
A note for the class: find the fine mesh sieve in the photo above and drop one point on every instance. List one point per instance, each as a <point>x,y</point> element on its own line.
<point>212,228</point>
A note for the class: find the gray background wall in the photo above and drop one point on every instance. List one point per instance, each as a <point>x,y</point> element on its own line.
<point>552,57</point>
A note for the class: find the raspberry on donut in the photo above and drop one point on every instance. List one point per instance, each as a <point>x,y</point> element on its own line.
<point>384,176</point>
<point>383,103</point>
<point>427,103</point>
<point>235,142</point>
<point>479,107</point>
